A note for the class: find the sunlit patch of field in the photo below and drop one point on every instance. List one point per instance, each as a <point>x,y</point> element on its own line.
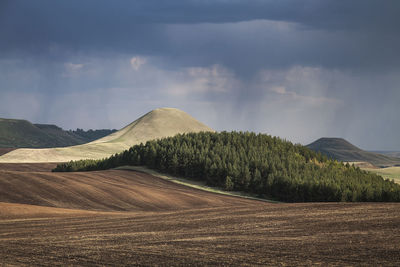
<point>392,173</point>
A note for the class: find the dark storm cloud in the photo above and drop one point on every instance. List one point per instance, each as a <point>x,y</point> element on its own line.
<point>124,23</point>
<point>331,63</point>
<point>335,34</point>
<point>316,13</point>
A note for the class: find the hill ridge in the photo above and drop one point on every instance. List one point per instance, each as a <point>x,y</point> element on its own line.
<point>20,133</point>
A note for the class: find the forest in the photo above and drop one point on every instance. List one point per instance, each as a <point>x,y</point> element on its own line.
<point>266,166</point>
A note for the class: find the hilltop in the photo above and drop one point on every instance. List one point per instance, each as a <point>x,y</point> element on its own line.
<point>159,123</point>
<point>24,134</point>
<point>342,150</point>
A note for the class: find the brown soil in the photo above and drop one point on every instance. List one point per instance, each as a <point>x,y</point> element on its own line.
<point>143,220</point>
<point>111,190</point>
<point>27,167</point>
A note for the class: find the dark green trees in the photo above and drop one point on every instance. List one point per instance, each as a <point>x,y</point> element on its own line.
<point>256,163</point>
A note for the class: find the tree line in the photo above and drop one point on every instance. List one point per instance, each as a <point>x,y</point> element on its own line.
<point>256,163</point>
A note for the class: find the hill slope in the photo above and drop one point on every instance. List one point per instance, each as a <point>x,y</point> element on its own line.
<point>254,163</point>
<point>158,123</point>
<point>22,133</point>
<point>342,150</point>
<point>114,190</point>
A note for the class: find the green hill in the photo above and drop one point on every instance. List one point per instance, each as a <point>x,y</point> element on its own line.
<point>257,164</point>
<point>342,150</point>
<point>22,133</point>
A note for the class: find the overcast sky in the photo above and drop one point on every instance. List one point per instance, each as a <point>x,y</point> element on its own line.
<point>296,69</point>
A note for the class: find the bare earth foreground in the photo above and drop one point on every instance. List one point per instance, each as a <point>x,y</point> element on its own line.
<point>129,218</point>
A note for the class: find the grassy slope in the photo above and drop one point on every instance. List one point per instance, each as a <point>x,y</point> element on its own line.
<point>22,133</point>
<point>194,184</point>
<point>392,173</point>
<point>155,124</point>
<point>64,138</point>
<point>340,149</point>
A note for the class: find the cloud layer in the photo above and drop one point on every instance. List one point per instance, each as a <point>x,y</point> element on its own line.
<point>297,69</point>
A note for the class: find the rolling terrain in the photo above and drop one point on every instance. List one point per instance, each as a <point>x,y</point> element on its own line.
<point>158,123</point>
<point>113,190</point>
<point>123,217</point>
<point>119,217</point>
<point>23,134</point>
<point>342,150</point>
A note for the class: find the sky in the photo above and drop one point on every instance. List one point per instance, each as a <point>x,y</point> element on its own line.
<point>300,70</point>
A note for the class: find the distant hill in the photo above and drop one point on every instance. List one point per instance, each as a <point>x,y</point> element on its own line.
<point>159,123</point>
<point>22,133</point>
<point>340,149</point>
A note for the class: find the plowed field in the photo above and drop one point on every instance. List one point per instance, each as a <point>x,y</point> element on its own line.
<point>121,217</point>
